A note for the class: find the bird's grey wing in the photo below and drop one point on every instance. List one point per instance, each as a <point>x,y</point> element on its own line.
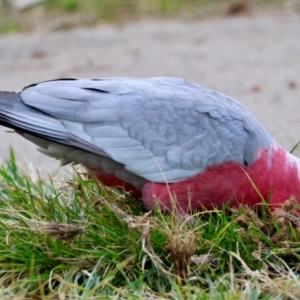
<point>161,129</point>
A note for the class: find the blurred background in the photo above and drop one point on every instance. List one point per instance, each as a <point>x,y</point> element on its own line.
<point>62,14</point>
<point>248,49</point>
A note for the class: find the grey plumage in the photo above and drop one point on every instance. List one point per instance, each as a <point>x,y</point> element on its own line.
<point>152,129</point>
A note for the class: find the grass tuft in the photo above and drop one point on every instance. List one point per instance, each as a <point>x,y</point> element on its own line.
<point>79,240</point>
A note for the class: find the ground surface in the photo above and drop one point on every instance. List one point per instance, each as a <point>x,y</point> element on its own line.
<point>254,59</point>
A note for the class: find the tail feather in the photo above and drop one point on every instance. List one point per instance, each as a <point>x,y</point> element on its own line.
<point>31,122</point>
<point>25,119</point>
<point>7,102</point>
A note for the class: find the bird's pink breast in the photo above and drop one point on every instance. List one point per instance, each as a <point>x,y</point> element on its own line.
<point>273,173</point>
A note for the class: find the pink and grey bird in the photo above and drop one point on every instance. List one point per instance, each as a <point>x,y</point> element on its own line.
<point>164,140</point>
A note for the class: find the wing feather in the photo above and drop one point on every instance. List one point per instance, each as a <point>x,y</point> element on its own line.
<point>157,128</point>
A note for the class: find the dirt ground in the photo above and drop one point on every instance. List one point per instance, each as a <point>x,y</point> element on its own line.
<point>255,59</point>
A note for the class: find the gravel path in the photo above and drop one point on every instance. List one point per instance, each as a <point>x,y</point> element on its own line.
<point>255,59</point>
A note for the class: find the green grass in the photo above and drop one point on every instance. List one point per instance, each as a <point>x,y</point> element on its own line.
<point>9,27</point>
<point>115,8</point>
<point>78,240</point>
<point>64,14</point>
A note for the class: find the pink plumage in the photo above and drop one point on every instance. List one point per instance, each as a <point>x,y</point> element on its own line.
<point>273,174</point>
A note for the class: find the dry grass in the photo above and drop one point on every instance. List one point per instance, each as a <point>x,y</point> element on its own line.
<point>81,241</point>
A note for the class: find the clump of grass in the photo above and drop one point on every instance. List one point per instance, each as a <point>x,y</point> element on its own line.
<point>79,240</point>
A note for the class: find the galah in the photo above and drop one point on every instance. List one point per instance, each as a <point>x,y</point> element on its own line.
<point>169,142</point>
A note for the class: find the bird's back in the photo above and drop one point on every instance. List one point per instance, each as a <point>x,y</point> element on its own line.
<point>139,130</point>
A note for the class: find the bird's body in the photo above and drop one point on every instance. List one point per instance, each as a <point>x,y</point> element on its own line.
<point>163,139</point>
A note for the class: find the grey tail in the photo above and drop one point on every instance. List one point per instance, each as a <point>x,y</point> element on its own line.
<point>8,98</point>
<point>24,119</point>
<point>8,101</point>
